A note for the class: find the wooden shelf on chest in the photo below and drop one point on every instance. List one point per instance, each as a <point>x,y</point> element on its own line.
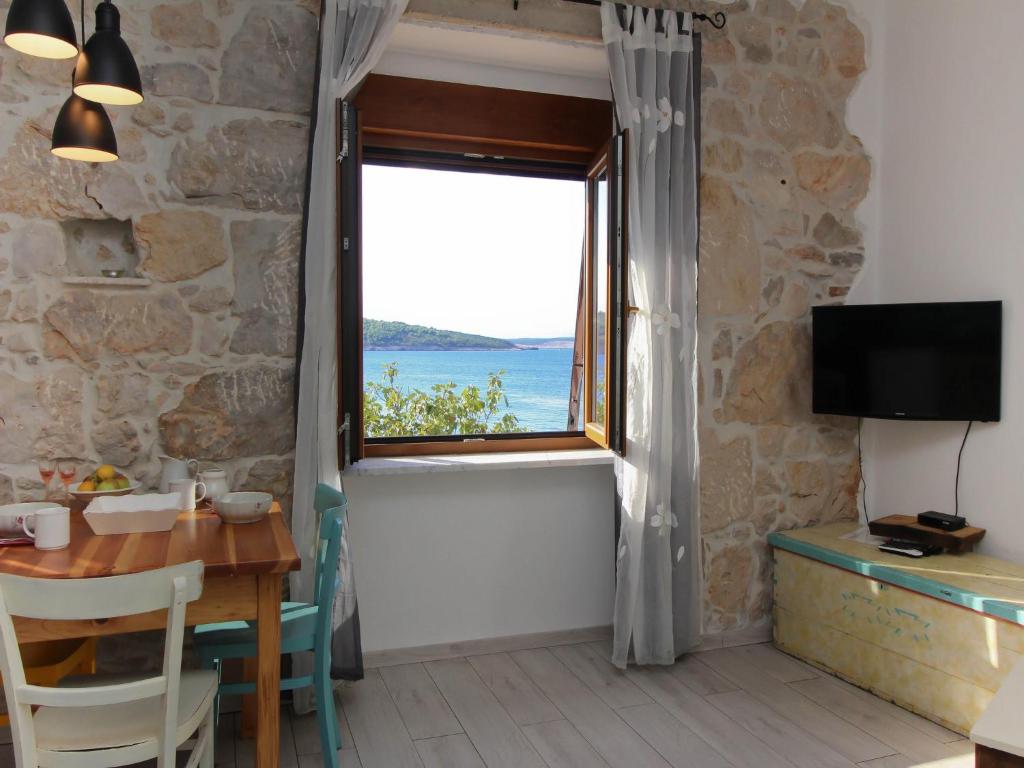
<point>906,527</point>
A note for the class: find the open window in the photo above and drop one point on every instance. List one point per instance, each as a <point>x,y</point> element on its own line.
<point>481,294</point>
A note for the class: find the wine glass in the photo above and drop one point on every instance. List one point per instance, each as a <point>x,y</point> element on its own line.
<point>67,471</point>
<point>47,469</point>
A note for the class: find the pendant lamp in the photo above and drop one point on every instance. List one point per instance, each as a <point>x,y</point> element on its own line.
<point>41,28</point>
<point>106,70</point>
<point>83,132</point>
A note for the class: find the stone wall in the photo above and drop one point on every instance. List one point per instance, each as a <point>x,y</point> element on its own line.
<point>205,203</point>
<point>782,177</point>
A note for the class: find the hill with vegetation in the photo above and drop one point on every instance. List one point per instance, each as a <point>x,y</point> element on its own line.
<point>388,335</point>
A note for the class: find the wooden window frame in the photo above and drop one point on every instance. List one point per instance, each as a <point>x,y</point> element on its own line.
<point>559,148</point>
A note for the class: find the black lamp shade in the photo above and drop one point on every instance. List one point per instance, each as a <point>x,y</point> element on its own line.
<point>106,70</point>
<point>41,28</point>
<point>83,132</point>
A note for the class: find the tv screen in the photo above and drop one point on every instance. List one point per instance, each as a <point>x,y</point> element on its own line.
<point>928,362</point>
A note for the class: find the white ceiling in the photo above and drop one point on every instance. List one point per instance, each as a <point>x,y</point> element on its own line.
<point>496,58</point>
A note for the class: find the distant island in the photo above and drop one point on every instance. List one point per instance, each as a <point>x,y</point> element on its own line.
<point>402,337</point>
<point>558,342</point>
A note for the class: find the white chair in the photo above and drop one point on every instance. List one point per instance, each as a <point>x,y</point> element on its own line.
<point>107,722</point>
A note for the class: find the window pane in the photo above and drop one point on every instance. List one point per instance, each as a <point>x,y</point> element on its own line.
<point>600,297</point>
<point>470,286</point>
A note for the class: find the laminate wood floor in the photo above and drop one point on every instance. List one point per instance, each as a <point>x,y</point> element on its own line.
<point>568,707</point>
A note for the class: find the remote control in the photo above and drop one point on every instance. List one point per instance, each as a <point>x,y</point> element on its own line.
<point>913,549</point>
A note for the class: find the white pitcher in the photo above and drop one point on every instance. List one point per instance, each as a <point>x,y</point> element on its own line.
<point>175,469</point>
<point>216,482</point>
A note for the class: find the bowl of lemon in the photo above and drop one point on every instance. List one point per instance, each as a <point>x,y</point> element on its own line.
<point>104,481</point>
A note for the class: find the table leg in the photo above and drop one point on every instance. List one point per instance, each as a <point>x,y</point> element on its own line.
<point>268,679</point>
<point>249,672</point>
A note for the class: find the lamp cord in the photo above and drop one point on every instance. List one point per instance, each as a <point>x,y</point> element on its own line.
<point>860,467</point>
<point>83,24</point>
<point>959,456</point>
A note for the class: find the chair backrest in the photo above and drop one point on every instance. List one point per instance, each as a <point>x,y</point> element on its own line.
<point>167,589</point>
<point>331,505</point>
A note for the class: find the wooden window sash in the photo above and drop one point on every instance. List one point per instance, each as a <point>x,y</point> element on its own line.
<point>607,432</point>
<point>596,430</point>
<point>351,442</point>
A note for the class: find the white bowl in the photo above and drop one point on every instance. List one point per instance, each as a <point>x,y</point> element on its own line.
<point>243,506</point>
<point>12,515</point>
<point>133,486</point>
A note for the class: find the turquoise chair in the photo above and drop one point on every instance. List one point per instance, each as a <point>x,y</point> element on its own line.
<point>304,627</point>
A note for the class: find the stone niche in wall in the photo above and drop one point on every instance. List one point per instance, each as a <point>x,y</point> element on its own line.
<point>98,246</point>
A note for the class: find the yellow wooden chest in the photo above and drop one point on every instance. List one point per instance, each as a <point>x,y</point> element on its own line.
<point>935,635</point>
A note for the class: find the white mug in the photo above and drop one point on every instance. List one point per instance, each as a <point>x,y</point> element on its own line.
<point>190,493</point>
<point>52,527</point>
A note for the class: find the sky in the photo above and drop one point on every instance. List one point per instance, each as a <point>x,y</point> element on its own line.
<point>472,252</point>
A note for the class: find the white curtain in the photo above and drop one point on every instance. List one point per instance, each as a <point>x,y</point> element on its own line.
<point>658,580</point>
<point>353,37</point>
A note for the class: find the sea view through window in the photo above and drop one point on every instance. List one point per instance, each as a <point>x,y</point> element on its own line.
<point>470,291</point>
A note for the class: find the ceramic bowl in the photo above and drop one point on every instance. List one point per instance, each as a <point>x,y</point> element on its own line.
<point>12,516</point>
<point>133,486</point>
<point>243,506</point>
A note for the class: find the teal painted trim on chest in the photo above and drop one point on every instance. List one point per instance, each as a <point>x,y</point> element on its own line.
<point>989,606</point>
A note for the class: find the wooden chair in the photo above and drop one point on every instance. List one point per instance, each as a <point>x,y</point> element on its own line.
<point>107,722</point>
<point>304,627</point>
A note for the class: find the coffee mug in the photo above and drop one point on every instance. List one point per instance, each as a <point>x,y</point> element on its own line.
<point>52,527</point>
<point>190,492</point>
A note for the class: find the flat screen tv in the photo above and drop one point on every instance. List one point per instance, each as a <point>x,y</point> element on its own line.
<point>926,362</point>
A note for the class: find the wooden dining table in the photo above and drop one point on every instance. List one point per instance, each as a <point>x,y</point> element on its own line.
<point>244,568</point>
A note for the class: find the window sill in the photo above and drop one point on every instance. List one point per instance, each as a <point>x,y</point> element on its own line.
<point>421,465</point>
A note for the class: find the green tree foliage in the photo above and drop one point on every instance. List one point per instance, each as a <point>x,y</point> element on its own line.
<point>390,411</point>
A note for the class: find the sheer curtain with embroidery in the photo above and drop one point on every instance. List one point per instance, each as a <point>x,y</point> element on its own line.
<point>655,85</point>
<point>353,35</point>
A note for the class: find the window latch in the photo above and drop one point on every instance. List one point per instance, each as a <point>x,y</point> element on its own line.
<point>346,430</point>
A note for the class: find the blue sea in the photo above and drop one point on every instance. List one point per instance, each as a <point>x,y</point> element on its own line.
<point>536,380</point>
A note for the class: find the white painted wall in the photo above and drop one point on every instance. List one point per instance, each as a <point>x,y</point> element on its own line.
<point>481,553</point>
<point>952,228</point>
